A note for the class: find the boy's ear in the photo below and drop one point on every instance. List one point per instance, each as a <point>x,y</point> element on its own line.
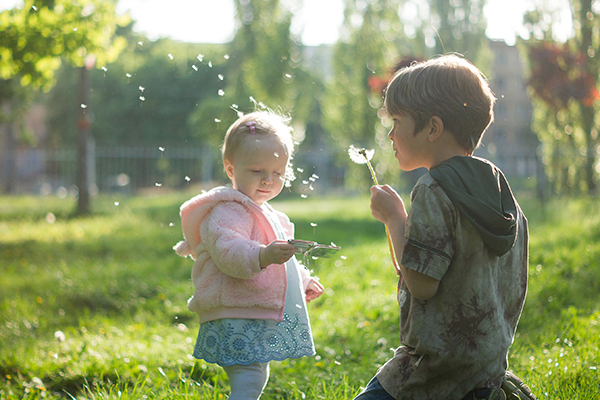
<point>228,168</point>
<point>436,127</point>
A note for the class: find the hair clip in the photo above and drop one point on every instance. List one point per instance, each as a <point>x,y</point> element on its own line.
<point>251,125</point>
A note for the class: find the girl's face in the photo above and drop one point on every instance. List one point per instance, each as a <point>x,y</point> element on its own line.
<point>258,167</point>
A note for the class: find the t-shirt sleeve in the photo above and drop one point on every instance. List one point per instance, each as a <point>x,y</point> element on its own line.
<point>429,232</point>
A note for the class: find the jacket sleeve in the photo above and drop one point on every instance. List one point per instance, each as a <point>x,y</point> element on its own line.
<point>226,233</point>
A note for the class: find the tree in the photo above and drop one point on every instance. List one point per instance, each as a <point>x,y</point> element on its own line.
<point>263,67</point>
<point>366,48</point>
<point>564,81</point>
<point>42,34</point>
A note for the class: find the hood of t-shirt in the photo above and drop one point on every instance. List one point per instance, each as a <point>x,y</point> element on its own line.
<point>480,192</point>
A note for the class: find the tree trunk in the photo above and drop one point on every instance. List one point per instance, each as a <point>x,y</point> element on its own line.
<point>83,138</point>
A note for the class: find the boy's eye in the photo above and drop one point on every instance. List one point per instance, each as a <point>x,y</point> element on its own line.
<point>255,171</point>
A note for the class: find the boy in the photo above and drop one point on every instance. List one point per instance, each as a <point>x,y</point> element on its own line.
<point>462,249</point>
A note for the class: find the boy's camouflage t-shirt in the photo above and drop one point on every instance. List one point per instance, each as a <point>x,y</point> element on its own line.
<point>457,340</point>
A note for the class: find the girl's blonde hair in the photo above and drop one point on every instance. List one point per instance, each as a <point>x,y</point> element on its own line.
<point>260,123</point>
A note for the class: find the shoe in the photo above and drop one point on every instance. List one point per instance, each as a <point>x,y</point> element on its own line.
<point>515,389</point>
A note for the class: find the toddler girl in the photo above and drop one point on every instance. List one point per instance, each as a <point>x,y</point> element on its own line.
<point>250,292</point>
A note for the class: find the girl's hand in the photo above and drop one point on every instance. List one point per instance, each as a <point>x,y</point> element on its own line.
<point>313,290</point>
<point>278,252</point>
<point>387,205</point>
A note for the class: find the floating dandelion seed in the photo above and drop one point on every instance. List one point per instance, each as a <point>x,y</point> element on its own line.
<point>34,8</point>
<point>221,77</point>
<point>210,64</point>
<point>200,57</point>
<point>161,149</point>
<point>104,69</point>
<point>221,92</point>
<point>276,155</point>
<point>195,68</point>
<point>142,98</point>
<point>226,56</point>
<point>187,178</point>
<point>128,75</point>
<point>315,176</point>
<point>84,106</point>
<point>343,257</point>
<point>141,88</point>
<point>217,120</point>
<point>171,224</point>
<point>313,224</point>
<point>170,56</point>
<point>158,184</point>
<point>303,196</point>
<point>301,170</point>
<point>305,182</point>
<point>117,203</point>
<point>141,43</point>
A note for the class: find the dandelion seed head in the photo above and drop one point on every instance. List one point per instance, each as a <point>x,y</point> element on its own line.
<point>360,156</point>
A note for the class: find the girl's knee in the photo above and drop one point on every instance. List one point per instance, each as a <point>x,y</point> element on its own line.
<point>247,381</point>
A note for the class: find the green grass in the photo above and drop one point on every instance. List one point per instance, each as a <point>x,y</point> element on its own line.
<point>95,307</point>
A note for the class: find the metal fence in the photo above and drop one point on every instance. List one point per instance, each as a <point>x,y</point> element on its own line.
<point>128,169</point>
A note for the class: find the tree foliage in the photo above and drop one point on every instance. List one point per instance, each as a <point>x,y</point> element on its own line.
<point>564,83</point>
<point>144,98</point>
<point>41,34</point>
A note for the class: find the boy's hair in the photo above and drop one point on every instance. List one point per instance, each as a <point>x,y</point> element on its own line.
<point>259,123</point>
<point>449,87</point>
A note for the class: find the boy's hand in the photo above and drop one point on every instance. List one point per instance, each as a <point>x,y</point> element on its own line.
<point>386,205</point>
<point>278,252</point>
<point>313,290</point>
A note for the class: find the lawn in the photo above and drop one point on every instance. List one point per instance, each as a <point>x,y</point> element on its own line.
<point>95,307</point>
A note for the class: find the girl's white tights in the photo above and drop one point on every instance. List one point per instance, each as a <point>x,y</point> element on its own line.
<point>247,381</point>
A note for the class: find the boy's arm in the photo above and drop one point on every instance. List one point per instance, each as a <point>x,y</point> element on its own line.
<point>388,207</point>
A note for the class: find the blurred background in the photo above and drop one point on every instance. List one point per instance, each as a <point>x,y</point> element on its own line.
<point>107,96</point>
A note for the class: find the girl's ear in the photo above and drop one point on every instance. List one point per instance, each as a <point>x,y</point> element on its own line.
<point>228,168</point>
<point>436,127</point>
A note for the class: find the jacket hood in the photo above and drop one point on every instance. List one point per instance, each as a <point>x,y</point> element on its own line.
<point>480,192</point>
<point>194,211</point>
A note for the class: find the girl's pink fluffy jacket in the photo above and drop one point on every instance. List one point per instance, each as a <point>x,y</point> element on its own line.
<point>224,231</point>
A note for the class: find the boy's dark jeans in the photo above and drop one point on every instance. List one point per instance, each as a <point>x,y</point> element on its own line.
<point>374,391</point>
